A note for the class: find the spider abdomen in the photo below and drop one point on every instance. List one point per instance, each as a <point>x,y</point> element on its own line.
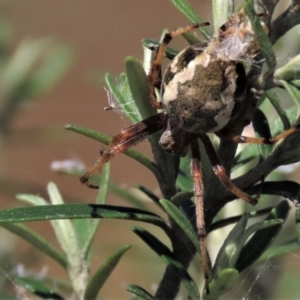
<point>199,94</point>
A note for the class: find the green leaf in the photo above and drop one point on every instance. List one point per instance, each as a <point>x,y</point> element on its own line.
<point>290,71</point>
<point>228,221</point>
<point>186,279</point>
<point>261,240</point>
<point>79,211</point>
<point>284,188</point>
<point>190,38</point>
<point>86,229</point>
<point>293,91</point>
<point>149,193</point>
<point>276,103</point>
<point>221,10</point>
<point>128,196</point>
<point>184,180</point>
<point>276,126</point>
<point>103,273</point>
<point>64,229</point>
<point>246,155</point>
<point>182,197</point>
<point>224,281</point>
<point>262,130</point>
<point>137,290</point>
<point>155,244</point>
<point>181,220</point>
<point>184,7</point>
<point>167,256</point>
<point>122,94</point>
<point>231,247</point>
<point>31,199</point>
<point>261,36</point>
<point>37,287</point>
<point>288,247</point>
<point>37,241</point>
<point>153,44</point>
<point>139,86</point>
<point>105,139</point>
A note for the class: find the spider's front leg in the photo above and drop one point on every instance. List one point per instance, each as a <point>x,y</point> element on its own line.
<point>126,139</point>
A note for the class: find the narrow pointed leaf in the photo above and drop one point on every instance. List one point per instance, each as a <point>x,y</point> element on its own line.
<point>122,94</point>
<point>128,196</point>
<point>228,221</point>
<point>86,229</point>
<point>186,279</point>
<point>37,287</point>
<point>184,7</point>
<point>64,230</point>
<point>167,256</point>
<point>140,292</point>
<point>103,273</point>
<point>149,193</point>
<point>139,86</point>
<point>290,71</point>
<point>221,10</point>
<point>230,247</point>
<point>262,130</point>
<point>261,240</point>
<point>79,211</point>
<point>264,42</point>
<point>31,199</point>
<point>293,91</point>
<point>224,281</point>
<point>37,241</point>
<point>153,44</point>
<point>181,220</point>
<point>155,244</point>
<point>276,103</point>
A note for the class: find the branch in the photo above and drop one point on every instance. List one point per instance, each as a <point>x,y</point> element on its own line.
<point>284,22</point>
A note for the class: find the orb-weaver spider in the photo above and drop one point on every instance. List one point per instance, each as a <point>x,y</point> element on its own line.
<point>203,90</point>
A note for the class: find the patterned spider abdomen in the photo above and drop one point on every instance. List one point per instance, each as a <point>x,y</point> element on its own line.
<point>204,85</point>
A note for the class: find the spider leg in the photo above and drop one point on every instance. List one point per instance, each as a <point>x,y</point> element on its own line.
<point>197,175</point>
<point>220,172</point>
<point>252,140</point>
<point>155,69</point>
<point>127,138</point>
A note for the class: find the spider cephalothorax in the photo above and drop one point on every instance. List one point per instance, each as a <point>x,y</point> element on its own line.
<point>203,90</point>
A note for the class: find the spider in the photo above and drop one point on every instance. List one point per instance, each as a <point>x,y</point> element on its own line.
<point>203,91</point>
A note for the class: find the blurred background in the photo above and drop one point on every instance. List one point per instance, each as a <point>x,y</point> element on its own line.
<point>91,37</point>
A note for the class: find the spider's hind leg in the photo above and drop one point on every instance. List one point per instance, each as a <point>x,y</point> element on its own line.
<point>197,175</point>
<point>252,140</point>
<point>220,172</point>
